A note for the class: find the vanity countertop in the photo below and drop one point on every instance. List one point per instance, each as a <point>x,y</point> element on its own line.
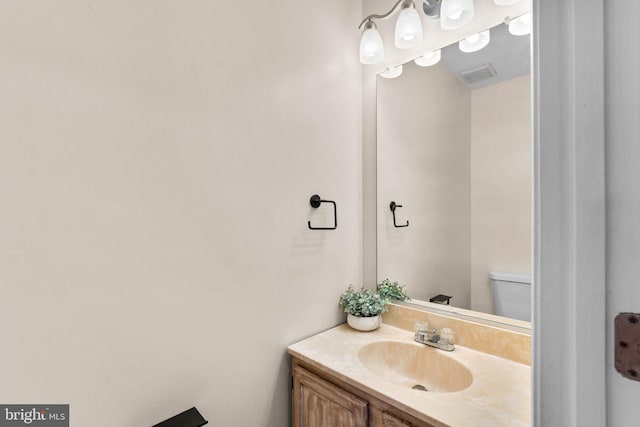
<point>500,394</point>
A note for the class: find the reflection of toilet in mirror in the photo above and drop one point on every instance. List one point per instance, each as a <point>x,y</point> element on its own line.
<point>511,294</point>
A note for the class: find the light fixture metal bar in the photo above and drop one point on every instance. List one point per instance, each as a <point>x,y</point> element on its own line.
<point>404,3</point>
<point>507,19</point>
<point>431,8</point>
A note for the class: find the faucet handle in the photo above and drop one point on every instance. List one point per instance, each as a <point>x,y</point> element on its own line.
<point>420,326</point>
<point>448,336</point>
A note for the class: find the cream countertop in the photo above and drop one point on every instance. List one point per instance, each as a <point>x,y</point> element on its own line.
<point>500,394</point>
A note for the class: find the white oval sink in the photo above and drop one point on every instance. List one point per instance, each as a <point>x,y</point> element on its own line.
<point>415,366</point>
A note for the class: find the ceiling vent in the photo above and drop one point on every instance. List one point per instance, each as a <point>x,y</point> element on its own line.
<point>477,74</point>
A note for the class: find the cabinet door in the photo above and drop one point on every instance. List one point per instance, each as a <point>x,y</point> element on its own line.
<point>379,417</point>
<point>318,403</point>
<point>389,420</point>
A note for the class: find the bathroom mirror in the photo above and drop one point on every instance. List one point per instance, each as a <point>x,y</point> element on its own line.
<point>454,169</point>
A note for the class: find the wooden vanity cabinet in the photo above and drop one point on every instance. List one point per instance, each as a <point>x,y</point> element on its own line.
<point>318,403</point>
<point>320,400</point>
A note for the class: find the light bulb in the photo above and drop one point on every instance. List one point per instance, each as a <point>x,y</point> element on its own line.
<point>392,73</point>
<point>408,31</point>
<point>522,25</point>
<point>429,58</point>
<point>473,39</point>
<point>475,42</point>
<point>456,13</point>
<point>371,47</point>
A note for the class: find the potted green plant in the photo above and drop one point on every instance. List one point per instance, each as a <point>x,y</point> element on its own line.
<point>392,290</point>
<point>363,307</point>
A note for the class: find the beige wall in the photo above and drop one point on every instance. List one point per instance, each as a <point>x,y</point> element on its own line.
<point>500,184</point>
<point>156,162</point>
<point>424,129</point>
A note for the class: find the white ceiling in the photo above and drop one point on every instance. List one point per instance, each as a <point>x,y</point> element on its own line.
<point>509,55</point>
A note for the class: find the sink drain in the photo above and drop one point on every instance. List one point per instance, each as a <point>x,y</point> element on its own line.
<point>419,387</point>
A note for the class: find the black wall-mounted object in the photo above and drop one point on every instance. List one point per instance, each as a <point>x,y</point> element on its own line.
<point>315,203</point>
<point>393,206</point>
<point>627,345</point>
<point>441,299</point>
<point>189,418</point>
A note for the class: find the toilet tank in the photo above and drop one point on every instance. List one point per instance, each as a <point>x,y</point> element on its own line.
<point>511,294</point>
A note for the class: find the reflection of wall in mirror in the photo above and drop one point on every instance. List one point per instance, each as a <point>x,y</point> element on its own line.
<point>500,184</point>
<point>459,162</point>
<point>423,163</point>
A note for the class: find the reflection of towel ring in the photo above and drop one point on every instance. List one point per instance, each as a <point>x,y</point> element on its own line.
<point>315,202</point>
<point>393,207</point>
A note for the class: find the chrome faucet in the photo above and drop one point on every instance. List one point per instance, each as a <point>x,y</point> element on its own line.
<point>443,339</point>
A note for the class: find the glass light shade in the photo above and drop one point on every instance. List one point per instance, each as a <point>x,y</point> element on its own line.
<point>371,47</point>
<point>429,58</point>
<point>506,2</point>
<point>456,13</point>
<point>521,26</point>
<point>408,32</point>
<point>475,42</point>
<point>392,73</point>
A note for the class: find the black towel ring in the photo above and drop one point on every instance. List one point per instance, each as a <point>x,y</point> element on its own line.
<point>393,207</point>
<point>315,203</point>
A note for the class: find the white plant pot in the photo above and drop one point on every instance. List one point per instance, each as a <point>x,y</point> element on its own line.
<point>364,324</point>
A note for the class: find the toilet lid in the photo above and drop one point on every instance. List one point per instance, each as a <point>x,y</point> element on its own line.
<point>510,277</point>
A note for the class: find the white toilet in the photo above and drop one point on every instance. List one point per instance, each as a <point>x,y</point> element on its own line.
<point>511,294</point>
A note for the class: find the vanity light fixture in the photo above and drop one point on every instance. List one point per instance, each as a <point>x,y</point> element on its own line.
<point>455,14</point>
<point>408,32</point>
<point>475,42</point>
<point>371,47</point>
<point>429,58</point>
<point>392,72</point>
<point>431,8</point>
<point>521,26</point>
